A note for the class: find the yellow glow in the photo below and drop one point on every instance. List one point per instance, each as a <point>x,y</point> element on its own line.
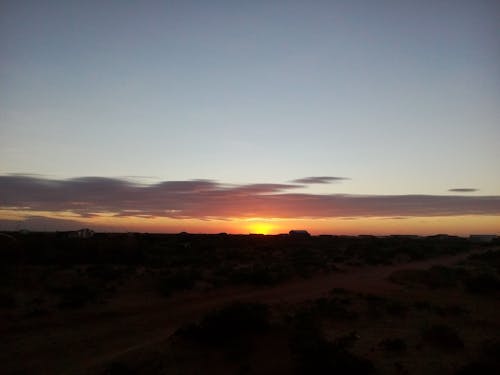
<point>458,225</point>
<point>260,228</point>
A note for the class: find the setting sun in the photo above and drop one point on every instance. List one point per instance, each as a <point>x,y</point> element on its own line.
<point>260,228</point>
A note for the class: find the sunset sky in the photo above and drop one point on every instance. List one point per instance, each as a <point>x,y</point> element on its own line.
<point>340,117</point>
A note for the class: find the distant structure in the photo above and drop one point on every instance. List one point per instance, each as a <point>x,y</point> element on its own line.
<point>299,233</point>
<point>80,233</point>
<point>442,237</point>
<point>482,238</point>
<point>406,236</point>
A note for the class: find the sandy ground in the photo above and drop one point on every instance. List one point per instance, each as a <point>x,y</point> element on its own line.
<point>77,341</point>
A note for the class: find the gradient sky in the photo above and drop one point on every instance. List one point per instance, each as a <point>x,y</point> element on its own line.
<point>400,97</point>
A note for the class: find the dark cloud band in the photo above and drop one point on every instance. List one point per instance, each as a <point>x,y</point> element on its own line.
<point>204,199</point>
<point>319,180</point>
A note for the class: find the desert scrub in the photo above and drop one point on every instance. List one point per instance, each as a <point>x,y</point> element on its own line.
<point>313,354</point>
<point>395,345</point>
<point>443,337</point>
<point>173,281</point>
<point>436,277</point>
<point>228,324</point>
<point>482,283</point>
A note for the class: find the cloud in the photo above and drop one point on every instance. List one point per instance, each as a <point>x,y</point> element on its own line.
<point>319,180</point>
<point>41,223</point>
<point>463,190</point>
<point>209,199</point>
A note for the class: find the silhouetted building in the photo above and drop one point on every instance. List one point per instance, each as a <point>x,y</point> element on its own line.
<point>442,237</point>
<point>80,233</point>
<point>299,233</point>
<point>483,238</point>
<point>406,236</point>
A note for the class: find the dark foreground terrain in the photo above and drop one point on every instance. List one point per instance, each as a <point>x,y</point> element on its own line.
<point>224,304</point>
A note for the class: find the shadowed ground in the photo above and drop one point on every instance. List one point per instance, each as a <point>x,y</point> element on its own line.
<point>73,341</point>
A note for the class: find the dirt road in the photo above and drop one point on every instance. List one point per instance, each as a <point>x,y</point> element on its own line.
<point>71,342</point>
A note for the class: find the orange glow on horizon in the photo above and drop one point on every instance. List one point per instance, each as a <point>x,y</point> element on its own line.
<point>261,228</point>
<point>108,222</point>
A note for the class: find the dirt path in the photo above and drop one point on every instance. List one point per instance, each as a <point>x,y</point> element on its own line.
<point>70,342</point>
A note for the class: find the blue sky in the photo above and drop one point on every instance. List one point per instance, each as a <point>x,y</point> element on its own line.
<point>402,97</point>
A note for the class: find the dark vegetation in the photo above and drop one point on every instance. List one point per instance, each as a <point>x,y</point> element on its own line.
<point>444,315</point>
<point>229,324</point>
<point>479,274</point>
<point>314,354</point>
<point>338,334</point>
<point>91,269</point>
<point>242,327</point>
<point>443,337</point>
<point>299,254</point>
<point>397,345</point>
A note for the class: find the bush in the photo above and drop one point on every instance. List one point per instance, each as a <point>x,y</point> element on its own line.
<point>77,296</point>
<point>258,275</point>
<point>397,345</point>
<point>434,278</point>
<point>228,324</point>
<point>475,368</point>
<point>423,305</point>
<point>118,368</point>
<point>7,301</point>
<point>442,336</point>
<point>347,341</point>
<point>104,272</point>
<point>180,280</point>
<point>313,354</point>
<point>396,308</point>
<point>450,310</point>
<point>490,258</point>
<point>483,283</point>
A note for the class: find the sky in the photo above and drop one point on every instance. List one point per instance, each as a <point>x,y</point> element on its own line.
<point>339,117</point>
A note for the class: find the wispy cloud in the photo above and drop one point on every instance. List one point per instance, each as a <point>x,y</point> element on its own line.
<point>41,223</point>
<point>319,180</point>
<point>463,190</point>
<point>206,199</point>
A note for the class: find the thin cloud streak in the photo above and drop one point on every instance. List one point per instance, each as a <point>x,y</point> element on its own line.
<point>463,190</point>
<point>208,199</point>
<point>319,180</point>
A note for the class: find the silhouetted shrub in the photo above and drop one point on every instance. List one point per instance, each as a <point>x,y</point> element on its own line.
<point>176,281</point>
<point>491,349</point>
<point>475,368</point>
<point>488,361</point>
<point>339,291</point>
<point>346,341</point>
<point>396,308</point>
<point>77,296</point>
<point>7,301</point>
<point>7,274</point>
<point>35,308</point>
<point>450,310</point>
<point>334,308</point>
<point>483,283</point>
<point>442,336</point>
<point>228,324</point>
<point>104,272</point>
<point>376,306</point>
<point>435,277</point>
<point>490,258</point>
<point>306,262</point>
<point>422,305</point>
<point>258,275</point>
<point>313,354</point>
<point>118,368</point>
<point>396,345</point>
